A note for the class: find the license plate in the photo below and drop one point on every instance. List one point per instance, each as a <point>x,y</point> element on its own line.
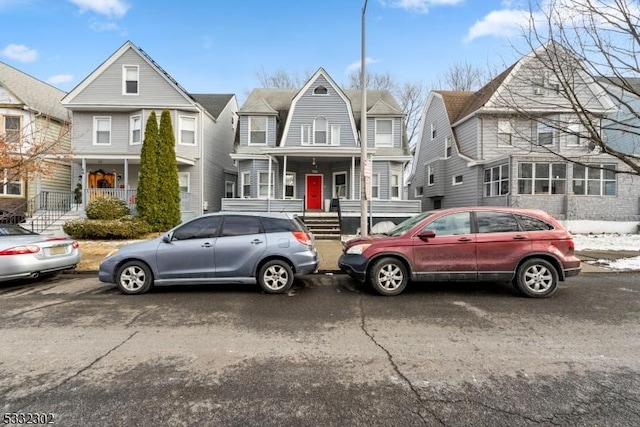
<point>57,250</point>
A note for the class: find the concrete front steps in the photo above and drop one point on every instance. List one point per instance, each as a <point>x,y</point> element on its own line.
<point>53,229</point>
<point>323,225</point>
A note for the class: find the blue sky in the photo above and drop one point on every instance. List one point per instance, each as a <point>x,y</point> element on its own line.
<point>219,46</point>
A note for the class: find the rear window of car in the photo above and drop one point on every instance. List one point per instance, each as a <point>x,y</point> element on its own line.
<point>534,224</point>
<point>496,222</point>
<point>276,225</point>
<point>240,225</point>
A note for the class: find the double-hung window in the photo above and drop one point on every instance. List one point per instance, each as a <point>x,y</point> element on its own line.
<point>257,130</point>
<point>384,132</point>
<point>574,134</point>
<point>264,191</point>
<point>305,132</point>
<point>431,177</point>
<point>448,147</point>
<point>505,132</point>
<point>290,185</point>
<point>395,186</point>
<point>544,134</point>
<point>102,130</point>
<point>130,79</point>
<point>320,125</point>
<point>375,186</point>
<point>12,129</point>
<point>187,130</point>
<point>246,184</point>
<point>9,186</point>
<point>136,130</point>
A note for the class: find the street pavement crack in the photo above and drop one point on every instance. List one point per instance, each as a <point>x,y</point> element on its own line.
<point>395,367</point>
<point>40,307</point>
<point>86,368</point>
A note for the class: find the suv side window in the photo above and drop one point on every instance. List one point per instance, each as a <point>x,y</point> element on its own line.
<point>496,222</point>
<point>533,224</point>
<point>457,223</point>
<point>237,225</point>
<point>275,225</point>
<point>201,228</point>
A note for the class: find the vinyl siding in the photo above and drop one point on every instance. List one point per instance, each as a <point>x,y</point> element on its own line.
<point>154,90</point>
<point>272,125</point>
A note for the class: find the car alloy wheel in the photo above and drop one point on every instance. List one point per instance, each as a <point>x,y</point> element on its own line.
<point>388,276</point>
<point>134,277</point>
<point>275,277</point>
<point>537,278</point>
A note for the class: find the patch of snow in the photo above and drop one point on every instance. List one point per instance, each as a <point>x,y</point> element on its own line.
<point>607,242</point>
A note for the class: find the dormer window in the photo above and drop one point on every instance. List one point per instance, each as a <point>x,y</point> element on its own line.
<point>130,78</point>
<point>320,90</point>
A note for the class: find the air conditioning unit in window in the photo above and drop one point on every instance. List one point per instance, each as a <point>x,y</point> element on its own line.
<point>538,91</point>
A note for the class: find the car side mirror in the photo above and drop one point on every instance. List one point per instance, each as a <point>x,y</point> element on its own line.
<point>426,235</point>
<point>167,238</point>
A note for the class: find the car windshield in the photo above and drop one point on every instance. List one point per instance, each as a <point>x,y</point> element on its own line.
<point>407,225</point>
<point>7,230</point>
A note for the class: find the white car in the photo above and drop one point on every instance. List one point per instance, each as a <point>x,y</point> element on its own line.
<point>25,254</point>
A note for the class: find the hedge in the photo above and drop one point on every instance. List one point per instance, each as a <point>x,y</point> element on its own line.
<point>127,227</point>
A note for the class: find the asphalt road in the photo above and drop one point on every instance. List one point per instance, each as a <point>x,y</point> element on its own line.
<point>329,353</point>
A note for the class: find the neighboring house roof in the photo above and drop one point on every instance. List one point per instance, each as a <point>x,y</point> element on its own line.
<point>213,103</point>
<point>33,93</point>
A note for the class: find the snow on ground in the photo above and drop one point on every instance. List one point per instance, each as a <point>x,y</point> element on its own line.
<point>611,242</point>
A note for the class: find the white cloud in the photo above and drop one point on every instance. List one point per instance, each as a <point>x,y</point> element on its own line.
<point>355,66</point>
<point>100,27</point>
<point>502,23</point>
<point>111,8</point>
<point>60,78</point>
<point>20,53</point>
<point>421,6</point>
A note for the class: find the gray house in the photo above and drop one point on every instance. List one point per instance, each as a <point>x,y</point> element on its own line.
<point>476,149</point>
<point>110,108</point>
<point>30,113</point>
<point>299,151</point>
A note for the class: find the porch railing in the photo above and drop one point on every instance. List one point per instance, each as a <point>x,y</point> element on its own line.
<point>297,206</point>
<point>128,195</point>
<point>47,207</point>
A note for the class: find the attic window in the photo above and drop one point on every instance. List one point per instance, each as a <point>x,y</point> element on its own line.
<point>130,76</point>
<point>320,90</point>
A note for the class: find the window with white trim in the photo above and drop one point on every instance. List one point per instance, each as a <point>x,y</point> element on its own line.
<point>257,130</point>
<point>187,126</point>
<point>395,186</point>
<point>320,125</point>
<point>10,186</point>
<point>102,130</point>
<point>135,136</point>
<point>12,129</point>
<point>130,79</point>
<point>448,147</point>
<point>340,185</point>
<point>594,180</point>
<point>320,90</point>
<point>505,132</point>
<point>431,177</point>
<point>384,132</point>
<point>375,186</point>
<point>433,131</point>
<point>335,134</point>
<point>496,181</point>
<point>419,191</point>
<point>542,178</point>
<point>245,182</point>
<point>574,134</point>
<point>263,185</point>
<point>184,182</point>
<point>290,185</point>
<point>457,180</point>
<point>544,134</point>
<point>305,131</point>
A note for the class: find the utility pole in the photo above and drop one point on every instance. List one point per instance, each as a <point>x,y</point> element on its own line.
<point>365,166</point>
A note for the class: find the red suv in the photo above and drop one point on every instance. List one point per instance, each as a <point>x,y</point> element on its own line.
<point>527,247</point>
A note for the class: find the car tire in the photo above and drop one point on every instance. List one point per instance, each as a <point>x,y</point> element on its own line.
<point>134,277</point>
<point>388,276</point>
<point>275,277</point>
<point>537,278</point>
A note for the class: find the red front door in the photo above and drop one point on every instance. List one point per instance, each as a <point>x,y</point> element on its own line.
<point>314,192</point>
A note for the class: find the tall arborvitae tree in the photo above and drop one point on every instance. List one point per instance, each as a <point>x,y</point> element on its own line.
<point>148,180</point>
<point>169,194</point>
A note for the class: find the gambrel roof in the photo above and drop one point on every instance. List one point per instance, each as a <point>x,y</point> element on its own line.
<point>33,93</point>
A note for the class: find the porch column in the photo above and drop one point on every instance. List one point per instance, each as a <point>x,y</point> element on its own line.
<point>84,183</point>
<point>284,177</point>
<point>126,174</point>
<point>353,180</point>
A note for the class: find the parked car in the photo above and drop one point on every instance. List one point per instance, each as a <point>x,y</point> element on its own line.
<point>224,247</point>
<point>9,217</point>
<point>528,248</point>
<point>25,254</point>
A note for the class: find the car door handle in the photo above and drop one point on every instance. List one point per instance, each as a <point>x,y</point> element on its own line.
<point>464,239</point>
<point>519,237</point>
<point>256,242</point>
<point>207,245</point>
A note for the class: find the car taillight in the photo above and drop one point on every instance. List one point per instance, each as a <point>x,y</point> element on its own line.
<point>302,237</point>
<point>75,245</point>
<point>21,250</point>
<point>571,245</point>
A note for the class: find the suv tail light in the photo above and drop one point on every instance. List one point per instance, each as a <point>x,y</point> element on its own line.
<point>303,237</point>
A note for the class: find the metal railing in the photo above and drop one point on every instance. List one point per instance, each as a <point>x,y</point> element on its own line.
<point>45,208</point>
<point>129,195</point>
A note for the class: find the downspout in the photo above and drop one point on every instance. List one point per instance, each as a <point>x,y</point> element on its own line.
<point>269,184</point>
<point>201,168</point>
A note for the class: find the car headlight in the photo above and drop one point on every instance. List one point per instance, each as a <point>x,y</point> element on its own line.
<point>358,249</point>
